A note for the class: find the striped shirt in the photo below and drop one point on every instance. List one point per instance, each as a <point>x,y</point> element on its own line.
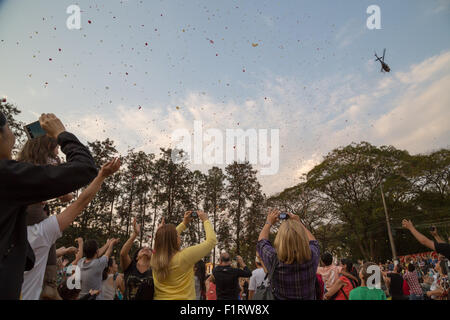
<point>291,281</point>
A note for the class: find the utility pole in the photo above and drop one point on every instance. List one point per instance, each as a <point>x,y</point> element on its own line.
<point>391,239</point>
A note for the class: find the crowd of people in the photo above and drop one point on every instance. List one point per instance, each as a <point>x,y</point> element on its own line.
<point>290,268</point>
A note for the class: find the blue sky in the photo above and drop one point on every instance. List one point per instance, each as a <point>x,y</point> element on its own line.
<point>312,73</point>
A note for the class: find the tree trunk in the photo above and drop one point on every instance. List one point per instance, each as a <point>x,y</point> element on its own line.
<point>129,208</point>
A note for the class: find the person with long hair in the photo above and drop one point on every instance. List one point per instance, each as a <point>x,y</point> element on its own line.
<point>44,151</point>
<point>294,257</point>
<point>24,184</point>
<point>344,284</point>
<point>109,284</point>
<point>138,278</point>
<point>173,267</point>
<point>349,270</point>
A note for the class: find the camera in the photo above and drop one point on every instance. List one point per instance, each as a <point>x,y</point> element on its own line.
<point>194,213</point>
<point>283,216</point>
<point>433,228</point>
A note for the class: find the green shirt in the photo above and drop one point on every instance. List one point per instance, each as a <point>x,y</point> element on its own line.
<point>364,293</point>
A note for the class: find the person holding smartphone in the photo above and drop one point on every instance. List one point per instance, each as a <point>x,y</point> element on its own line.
<point>23,184</point>
<point>437,245</point>
<point>173,267</point>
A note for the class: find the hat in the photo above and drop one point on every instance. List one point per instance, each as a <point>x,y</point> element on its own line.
<point>2,120</point>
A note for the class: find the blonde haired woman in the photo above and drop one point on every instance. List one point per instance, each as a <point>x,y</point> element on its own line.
<point>173,268</point>
<point>294,258</point>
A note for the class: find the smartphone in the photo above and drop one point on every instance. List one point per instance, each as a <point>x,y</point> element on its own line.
<point>34,130</point>
<point>194,214</point>
<point>283,216</point>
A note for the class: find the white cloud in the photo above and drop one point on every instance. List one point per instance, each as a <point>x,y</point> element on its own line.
<point>420,119</point>
<point>406,109</point>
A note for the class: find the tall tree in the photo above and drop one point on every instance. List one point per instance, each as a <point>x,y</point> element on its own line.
<point>242,188</point>
<point>11,112</point>
<point>214,201</point>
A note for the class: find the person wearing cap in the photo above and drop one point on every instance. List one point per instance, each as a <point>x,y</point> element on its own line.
<point>22,184</point>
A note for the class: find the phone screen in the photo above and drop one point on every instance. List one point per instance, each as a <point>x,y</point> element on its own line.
<point>283,216</point>
<point>34,130</point>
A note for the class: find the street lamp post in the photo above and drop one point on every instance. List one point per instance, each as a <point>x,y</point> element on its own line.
<point>391,239</point>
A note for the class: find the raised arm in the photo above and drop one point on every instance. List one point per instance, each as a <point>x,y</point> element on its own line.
<point>66,217</point>
<point>338,284</point>
<point>26,183</point>
<point>63,251</point>
<point>125,259</point>
<point>272,218</point>
<point>109,251</point>
<point>243,272</point>
<point>102,250</point>
<point>436,236</point>
<point>79,254</point>
<point>407,224</point>
<point>186,221</point>
<point>308,233</point>
<point>193,254</point>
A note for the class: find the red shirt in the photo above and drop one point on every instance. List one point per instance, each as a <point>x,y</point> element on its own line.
<point>405,288</point>
<point>211,293</point>
<point>347,288</point>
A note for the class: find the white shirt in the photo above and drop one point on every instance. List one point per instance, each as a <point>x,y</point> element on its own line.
<point>257,278</point>
<point>41,237</point>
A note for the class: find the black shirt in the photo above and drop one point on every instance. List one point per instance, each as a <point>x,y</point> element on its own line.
<point>227,281</point>
<point>442,248</point>
<point>22,184</point>
<point>138,286</point>
<point>396,287</point>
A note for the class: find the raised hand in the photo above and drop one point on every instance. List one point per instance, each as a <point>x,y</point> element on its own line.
<point>407,224</point>
<point>273,216</point>
<point>202,215</point>
<point>51,124</point>
<point>161,224</point>
<point>110,168</point>
<point>136,227</point>
<point>187,218</point>
<point>240,261</point>
<point>294,216</point>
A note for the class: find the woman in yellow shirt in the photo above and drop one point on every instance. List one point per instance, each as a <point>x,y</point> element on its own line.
<point>173,269</point>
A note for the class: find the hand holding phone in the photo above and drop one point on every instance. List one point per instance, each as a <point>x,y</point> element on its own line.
<point>51,125</point>
<point>34,130</point>
<point>283,216</point>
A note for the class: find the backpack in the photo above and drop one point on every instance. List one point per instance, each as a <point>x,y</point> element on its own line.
<point>264,292</point>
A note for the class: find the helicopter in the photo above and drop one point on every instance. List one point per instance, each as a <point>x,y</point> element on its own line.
<point>384,66</point>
